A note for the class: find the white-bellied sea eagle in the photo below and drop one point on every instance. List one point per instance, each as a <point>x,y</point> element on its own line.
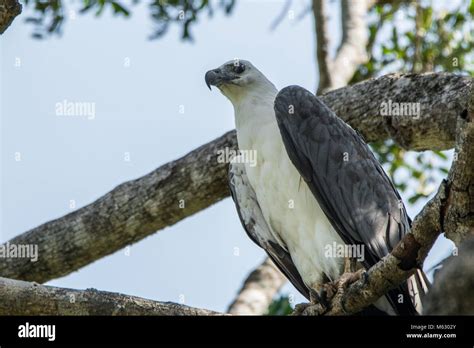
<point>315,187</point>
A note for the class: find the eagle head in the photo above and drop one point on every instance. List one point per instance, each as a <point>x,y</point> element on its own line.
<point>236,79</point>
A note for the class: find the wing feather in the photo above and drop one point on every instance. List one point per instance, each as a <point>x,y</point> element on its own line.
<point>256,227</point>
<point>344,176</point>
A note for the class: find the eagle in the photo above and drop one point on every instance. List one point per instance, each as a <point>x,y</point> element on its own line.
<point>315,189</point>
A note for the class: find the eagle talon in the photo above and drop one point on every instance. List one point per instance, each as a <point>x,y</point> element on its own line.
<point>329,290</point>
<point>314,296</point>
<point>365,277</point>
<point>300,308</point>
<point>351,277</point>
<point>309,309</point>
<point>323,295</point>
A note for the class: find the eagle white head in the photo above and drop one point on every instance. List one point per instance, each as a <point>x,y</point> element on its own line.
<point>239,79</point>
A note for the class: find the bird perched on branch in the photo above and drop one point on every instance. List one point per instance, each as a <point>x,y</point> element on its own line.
<point>316,199</point>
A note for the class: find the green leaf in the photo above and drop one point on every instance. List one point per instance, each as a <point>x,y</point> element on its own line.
<point>280,306</point>
<point>119,9</point>
<point>413,199</point>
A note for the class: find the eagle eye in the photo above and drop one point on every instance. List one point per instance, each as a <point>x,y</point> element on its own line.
<point>238,68</point>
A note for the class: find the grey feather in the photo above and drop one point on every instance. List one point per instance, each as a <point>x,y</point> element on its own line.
<point>256,227</point>
<point>348,182</point>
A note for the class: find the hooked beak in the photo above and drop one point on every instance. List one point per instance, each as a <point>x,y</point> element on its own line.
<point>216,78</point>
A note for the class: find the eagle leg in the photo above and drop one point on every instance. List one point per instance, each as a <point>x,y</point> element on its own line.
<point>348,278</point>
<point>319,301</point>
<point>309,309</point>
<point>350,264</point>
<point>322,297</point>
<point>317,306</point>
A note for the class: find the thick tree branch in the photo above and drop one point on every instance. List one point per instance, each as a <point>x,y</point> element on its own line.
<point>138,208</point>
<point>352,51</point>
<point>127,214</point>
<point>337,72</point>
<point>9,9</point>
<point>322,44</point>
<point>442,98</point>
<point>24,298</point>
<point>258,290</point>
<point>458,216</point>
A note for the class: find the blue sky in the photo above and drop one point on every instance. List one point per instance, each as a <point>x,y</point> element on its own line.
<point>203,259</point>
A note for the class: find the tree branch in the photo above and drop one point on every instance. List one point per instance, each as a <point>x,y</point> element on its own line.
<point>322,45</point>
<point>9,9</point>
<point>127,214</point>
<point>258,290</point>
<point>337,72</point>
<point>352,52</point>
<point>140,207</point>
<point>458,216</point>
<point>441,97</point>
<point>25,298</point>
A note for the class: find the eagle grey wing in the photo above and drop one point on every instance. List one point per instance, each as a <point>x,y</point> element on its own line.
<point>349,183</point>
<point>256,227</point>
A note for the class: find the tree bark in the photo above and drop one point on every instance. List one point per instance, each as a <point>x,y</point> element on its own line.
<point>322,45</point>
<point>258,290</point>
<point>140,207</point>
<point>24,298</point>
<point>352,52</point>
<point>442,99</point>
<point>9,9</point>
<point>337,72</point>
<point>458,218</point>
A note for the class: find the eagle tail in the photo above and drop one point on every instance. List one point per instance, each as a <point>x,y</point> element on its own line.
<point>418,285</point>
<point>414,289</point>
